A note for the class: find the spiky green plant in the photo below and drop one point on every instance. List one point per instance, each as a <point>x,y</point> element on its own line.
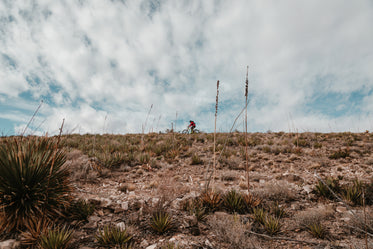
<point>259,215</point>
<point>211,200</point>
<point>196,160</point>
<point>272,224</point>
<point>33,181</point>
<point>233,201</point>
<point>35,227</point>
<point>251,201</point>
<point>316,229</point>
<point>353,194</point>
<point>56,238</point>
<point>80,210</point>
<point>200,213</point>
<point>114,236</point>
<point>277,210</point>
<point>324,189</point>
<point>161,221</point>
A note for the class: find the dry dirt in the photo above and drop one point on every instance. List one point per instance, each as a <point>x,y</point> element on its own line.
<point>283,168</point>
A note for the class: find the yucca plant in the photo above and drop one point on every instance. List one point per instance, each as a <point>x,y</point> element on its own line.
<point>35,227</point>
<point>211,200</point>
<point>56,238</point>
<point>114,236</point>
<point>196,160</point>
<point>259,215</point>
<point>316,229</point>
<point>324,189</point>
<point>233,201</point>
<point>200,213</point>
<point>161,221</point>
<point>272,224</point>
<point>80,210</point>
<point>277,210</point>
<point>353,194</point>
<point>33,181</point>
<point>251,201</point>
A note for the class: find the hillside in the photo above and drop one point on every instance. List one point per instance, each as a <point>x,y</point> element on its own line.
<point>130,177</point>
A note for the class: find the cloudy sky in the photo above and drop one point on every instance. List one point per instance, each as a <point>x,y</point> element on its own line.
<point>124,66</point>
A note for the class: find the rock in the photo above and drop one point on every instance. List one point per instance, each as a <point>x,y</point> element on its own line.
<point>308,188</point>
<point>208,243</point>
<point>121,225</point>
<point>341,209</point>
<point>152,246</point>
<point>124,205</point>
<point>9,244</point>
<point>144,243</point>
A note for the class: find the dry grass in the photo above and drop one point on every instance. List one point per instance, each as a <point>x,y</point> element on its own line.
<point>231,231</point>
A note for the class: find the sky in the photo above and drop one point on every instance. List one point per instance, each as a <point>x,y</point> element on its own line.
<point>135,66</point>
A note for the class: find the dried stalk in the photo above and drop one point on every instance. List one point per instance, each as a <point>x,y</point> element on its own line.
<point>216,115</point>
<point>246,154</point>
<point>285,238</point>
<point>32,118</point>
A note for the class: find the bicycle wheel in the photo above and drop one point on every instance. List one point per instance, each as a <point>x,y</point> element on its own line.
<point>186,131</point>
<point>196,131</point>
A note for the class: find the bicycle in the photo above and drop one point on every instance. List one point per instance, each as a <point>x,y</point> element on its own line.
<point>189,131</point>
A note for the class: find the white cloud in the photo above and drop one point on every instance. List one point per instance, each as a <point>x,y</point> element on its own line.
<point>97,59</point>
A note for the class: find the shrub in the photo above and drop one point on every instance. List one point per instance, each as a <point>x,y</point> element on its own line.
<point>114,236</point>
<point>353,194</point>
<point>80,210</point>
<point>272,224</point>
<point>161,221</point>
<point>324,189</point>
<point>251,201</point>
<point>35,227</point>
<point>233,201</point>
<point>196,160</point>
<point>259,215</point>
<point>340,154</point>
<point>277,210</point>
<point>33,182</point>
<point>316,229</point>
<point>56,238</point>
<point>211,200</point>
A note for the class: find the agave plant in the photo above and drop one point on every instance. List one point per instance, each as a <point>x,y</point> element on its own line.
<point>233,201</point>
<point>56,238</point>
<point>161,221</point>
<point>114,236</point>
<point>211,200</point>
<point>80,210</point>
<point>33,182</point>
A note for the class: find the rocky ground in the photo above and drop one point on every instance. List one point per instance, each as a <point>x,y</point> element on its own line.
<point>171,169</point>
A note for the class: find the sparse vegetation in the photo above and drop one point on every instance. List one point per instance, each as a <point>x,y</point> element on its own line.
<point>114,236</point>
<point>111,186</point>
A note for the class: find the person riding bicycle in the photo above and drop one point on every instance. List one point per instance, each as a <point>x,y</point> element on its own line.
<point>192,125</point>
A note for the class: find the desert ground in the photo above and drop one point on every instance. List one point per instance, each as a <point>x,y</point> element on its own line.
<point>260,190</point>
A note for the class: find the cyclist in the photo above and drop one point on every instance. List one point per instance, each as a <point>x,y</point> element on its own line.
<point>192,125</point>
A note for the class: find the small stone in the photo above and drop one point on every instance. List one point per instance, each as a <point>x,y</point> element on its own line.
<point>307,188</point>
<point>144,243</point>
<point>152,246</point>
<point>124,205</point>
<point>341,209</point>
<point>208,243</point>
<point>9,244</point>
<point>262,181</point>
<point>121,225</point>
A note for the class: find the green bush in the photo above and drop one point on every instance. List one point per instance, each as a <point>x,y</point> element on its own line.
<point>233,201</point>
<point>33,182</point>
<point>114,236</point>
<point>161,221</point>
<point>56,238</point>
